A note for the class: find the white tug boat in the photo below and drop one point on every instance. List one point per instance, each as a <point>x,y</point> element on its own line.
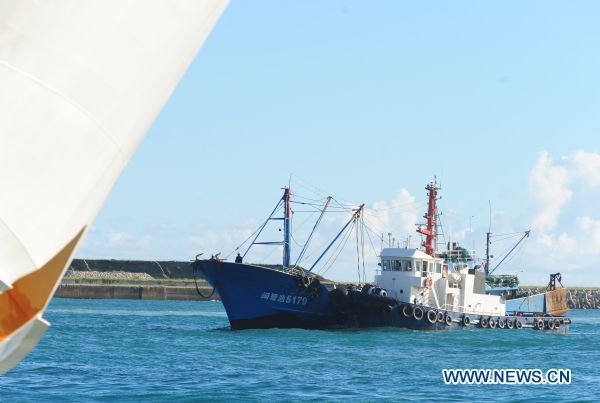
<point>434,291</point>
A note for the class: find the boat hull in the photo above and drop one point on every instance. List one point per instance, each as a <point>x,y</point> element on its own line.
<point>260,297</point>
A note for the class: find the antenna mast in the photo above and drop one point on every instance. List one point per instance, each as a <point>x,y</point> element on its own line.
<point>430,230</point>
<point>488,243</point>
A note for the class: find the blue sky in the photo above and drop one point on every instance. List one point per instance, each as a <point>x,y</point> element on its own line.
<point>369,100</point>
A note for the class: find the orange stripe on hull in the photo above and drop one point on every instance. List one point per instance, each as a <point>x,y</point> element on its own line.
<point>30,293</point>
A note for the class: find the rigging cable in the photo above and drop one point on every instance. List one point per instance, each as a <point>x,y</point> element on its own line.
<point>263,226</point>
<point>357,254</point>
<point>338,250</point>
<point>313,231</point>
<point>362,235</point>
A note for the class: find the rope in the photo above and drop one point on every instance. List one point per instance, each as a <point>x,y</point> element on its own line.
<point>198,288</point>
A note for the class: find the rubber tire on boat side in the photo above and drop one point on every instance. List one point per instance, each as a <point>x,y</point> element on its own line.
<point>484,322</point>
<point>509,323</point>
<point>501,324</point>
<point>407,310</point>
<point>432,316</point>
<point>440,316</point>
<point>492,323</point>
<point>518,324</point>
<point>418,313</point>
<point>466,321</point>
<point>448,319</point>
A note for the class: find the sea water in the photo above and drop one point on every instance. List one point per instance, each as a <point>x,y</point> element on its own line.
<point>130,350</point>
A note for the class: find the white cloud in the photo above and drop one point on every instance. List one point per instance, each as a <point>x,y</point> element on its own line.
<point>565,236</point>
<point>397,216</point>
<point>117,238</point>
<point>587,166</point>
<point>548,184</point>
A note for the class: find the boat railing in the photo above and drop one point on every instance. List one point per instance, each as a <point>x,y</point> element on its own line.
<point>461,255</point>
<point>462,309</point>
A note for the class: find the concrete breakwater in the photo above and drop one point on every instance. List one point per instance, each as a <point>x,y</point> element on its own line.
<point>130,291</point>
<point>156,269</point>
<point>584,299</point>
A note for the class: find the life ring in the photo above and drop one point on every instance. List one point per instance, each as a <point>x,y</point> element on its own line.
<point>448,319</point>
<point>407,310</point>
<point>492,323</point>
<point>418,313</point>
<point>518,324</point>
<point>440,316</point>
<point>501,324</point>
<point>431,316</point>
<point>509,323</point>
<point>483,322</point>
<point>428,282</point>
<point>466,321</point>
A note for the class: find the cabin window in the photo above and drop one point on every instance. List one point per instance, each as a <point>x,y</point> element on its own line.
<point>387,265</point>
<point>406,265</point>
<point>438,267</point>
<point>397,265</point>
<point>417,265</point>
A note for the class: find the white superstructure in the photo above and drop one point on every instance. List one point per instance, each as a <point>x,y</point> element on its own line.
<point>412,276</point>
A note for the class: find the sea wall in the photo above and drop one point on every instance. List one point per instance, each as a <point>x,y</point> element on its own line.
<point>156,269</point>
<point>583,299</point>
<point>125,291</point>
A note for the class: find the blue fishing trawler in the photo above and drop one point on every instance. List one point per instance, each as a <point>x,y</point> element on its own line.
<point>413,288</point>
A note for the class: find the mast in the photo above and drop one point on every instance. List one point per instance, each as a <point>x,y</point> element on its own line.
<point>430,230</point>
<point>286,228</point>
<point>487,253</point>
